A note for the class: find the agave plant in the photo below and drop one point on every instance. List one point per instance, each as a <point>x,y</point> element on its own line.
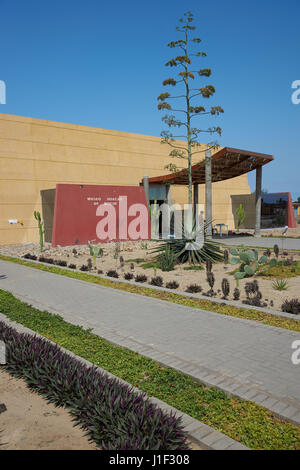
<point>188,250</point>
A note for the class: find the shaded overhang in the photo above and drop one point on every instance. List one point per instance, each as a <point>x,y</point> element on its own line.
<point>225,164</point>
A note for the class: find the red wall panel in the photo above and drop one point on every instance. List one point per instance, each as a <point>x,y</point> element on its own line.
<point>75,212</point>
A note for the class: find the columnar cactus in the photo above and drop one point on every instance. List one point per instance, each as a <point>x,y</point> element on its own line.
<point>37,216</point>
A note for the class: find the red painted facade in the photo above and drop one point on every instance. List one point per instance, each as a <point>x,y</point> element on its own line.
<point>79,209</point>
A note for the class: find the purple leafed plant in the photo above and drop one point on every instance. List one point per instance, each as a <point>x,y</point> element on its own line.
<point>114,415</point>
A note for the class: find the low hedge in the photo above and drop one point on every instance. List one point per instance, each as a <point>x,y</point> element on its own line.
<point>114,415</point>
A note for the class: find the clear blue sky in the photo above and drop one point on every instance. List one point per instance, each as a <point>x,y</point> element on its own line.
<point>102,63</point>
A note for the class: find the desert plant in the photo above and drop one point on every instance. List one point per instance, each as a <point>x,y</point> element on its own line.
<point>249,262</point>
<point>211,281</point>
<point>172,285</point>
<point>122,262</point>
<point>144,245</point>
<point>84,268</point>
<point>226,256</point>
<point>193,288</point>
<point>72,266</point>
<point>140,278</point>
<point>225,288</point>
<point>61,263</point>
<point>95,252</point>
<point>268,253</point>
<point>276,250</point>
<point>208,264</point>
<point>236,294</point>
<point>280,284</point>
<point>166,259</point>
<point>187,250</point>
<point>132,266</point>
<point>37,216</point>
<point>157,281</point>
<point>128,276</point>
<point>291,306</point>
<point>253,294</point>
<point>241,215</point>
<point>90,264</point>
<point>112,273</point>
<point>99,271</point>
<point>113,414</point>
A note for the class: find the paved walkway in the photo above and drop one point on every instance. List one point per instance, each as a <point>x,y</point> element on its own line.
<point>264,242</point>
<point>239,356</point>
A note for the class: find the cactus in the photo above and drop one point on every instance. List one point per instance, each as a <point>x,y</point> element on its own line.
<point>225,288</point>
<point>95,252</point>
<point>249,262</point>
<point>37,216</point>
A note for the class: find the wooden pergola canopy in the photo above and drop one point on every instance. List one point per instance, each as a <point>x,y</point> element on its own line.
<point>226,163</point>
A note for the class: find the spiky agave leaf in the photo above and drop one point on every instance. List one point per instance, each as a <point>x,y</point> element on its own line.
<point>181,247</point>
<point>114,415</point>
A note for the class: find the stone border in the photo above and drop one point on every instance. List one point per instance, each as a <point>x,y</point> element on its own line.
<point>205,436</point>
<point>231,303</point>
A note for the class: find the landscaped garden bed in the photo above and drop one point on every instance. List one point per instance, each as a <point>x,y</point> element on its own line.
<point>137,261</point>
<point>114,415</point>
<point>244,421</point>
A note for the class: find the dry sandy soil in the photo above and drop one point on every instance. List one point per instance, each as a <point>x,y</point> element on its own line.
<point>133,250</point>
<point>30,423</point>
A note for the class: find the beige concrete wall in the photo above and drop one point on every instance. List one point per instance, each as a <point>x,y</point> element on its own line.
<point>37,154</point>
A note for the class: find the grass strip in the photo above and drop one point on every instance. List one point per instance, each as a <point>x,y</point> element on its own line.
<point>244,421</point>
<point>239,312</point>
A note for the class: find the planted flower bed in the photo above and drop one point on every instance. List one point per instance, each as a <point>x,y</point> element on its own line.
<point>114,415</point>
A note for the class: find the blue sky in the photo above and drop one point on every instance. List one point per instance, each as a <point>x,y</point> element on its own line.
<point>102,63</point>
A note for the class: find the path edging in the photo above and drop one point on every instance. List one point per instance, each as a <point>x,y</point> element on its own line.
<point>198,432</point>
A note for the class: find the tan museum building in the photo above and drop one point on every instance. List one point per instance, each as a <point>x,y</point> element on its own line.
<point>36,155</point>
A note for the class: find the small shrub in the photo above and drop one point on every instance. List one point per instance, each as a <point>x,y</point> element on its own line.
<point>61,263</point>
<point>132,266</point>
<point>112,273</point>
<point>226,256</point>
<point>84,268</point>
<point>236,294</point>
<point>253,294</point>
<point>267,253</point>
<point>49,260</point>
<point>291,306</point>
<point>210,280</point>
<point>225,288</point>
<point>157,281</point>
<point>74,251</point>
<point>280,284</point>
<point>72,266</point>
<point>193,289</point>
<point>99,271</point>
<point>172,285</point>
<point>128,276</point>
<point>140,278</point>
<point>92,397</point>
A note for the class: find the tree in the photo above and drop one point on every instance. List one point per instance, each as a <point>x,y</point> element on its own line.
<point>186,78</point>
